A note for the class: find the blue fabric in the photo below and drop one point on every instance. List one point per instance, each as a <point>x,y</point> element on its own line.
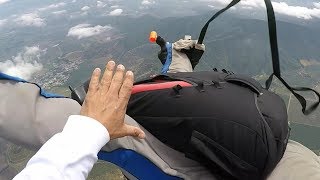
<point>42,92</point>
<point>167,64</point>
<point>135,164</point>
<point>7,77</point>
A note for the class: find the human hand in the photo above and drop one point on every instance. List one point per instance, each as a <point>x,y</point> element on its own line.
<point>107,100</point>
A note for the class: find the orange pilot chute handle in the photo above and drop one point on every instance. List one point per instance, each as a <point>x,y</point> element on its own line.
<point>162,54</point>
<point>153,36</point>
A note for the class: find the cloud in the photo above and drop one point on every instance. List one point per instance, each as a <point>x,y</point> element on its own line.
<point>280,7</point>
<point>286,9</point>
<point>85,13</point>
<point>114,6</point>
<point>4,1</point>
<point>116,12</point>
<point>217,2</point>
<point>86,30</point>
<point>147,2</point>
<point>296,11</point>
<point>252,3</point>
<point>32,51</point>
<point>24,65</point>
<point>59,12</point>
<point>52,6</point>
<point>85,8</point>
<point>3,22</point>
<point>101,4</point>
<point>31,19</point>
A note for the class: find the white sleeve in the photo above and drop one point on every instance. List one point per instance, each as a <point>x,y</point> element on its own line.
<point>70,154</point>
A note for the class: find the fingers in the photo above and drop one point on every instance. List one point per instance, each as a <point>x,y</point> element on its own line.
<point>134,132</point>
<point>125,91</point>
<point>94,82</point>
<point>117,80</point>
<point>107,76</point>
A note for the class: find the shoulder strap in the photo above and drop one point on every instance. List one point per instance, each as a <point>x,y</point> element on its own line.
<point>275,56</point>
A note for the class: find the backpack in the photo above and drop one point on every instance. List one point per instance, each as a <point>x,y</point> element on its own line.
<point>225,121</point>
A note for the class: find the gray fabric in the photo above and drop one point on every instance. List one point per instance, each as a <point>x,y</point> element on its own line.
<point>29,119</point>
<point>180,61</point>
<point>188,44</point>
<point>298,163</point>
<point>169,160</point>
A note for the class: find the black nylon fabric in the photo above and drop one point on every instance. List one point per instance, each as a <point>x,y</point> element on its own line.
<point>234,125</point>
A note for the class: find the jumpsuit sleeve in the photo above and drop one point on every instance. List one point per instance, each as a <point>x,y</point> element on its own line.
<point>27,118</point>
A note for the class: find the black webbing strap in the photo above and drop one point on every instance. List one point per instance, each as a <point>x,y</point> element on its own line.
<point>276,64</point>
<point>301,99</point>
<point>205,27</point>
<point>272,25</point>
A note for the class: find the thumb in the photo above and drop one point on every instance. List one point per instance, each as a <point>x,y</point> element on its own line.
<point>134,131</point>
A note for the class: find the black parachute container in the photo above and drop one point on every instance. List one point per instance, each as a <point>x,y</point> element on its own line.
<point>227,122</point>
